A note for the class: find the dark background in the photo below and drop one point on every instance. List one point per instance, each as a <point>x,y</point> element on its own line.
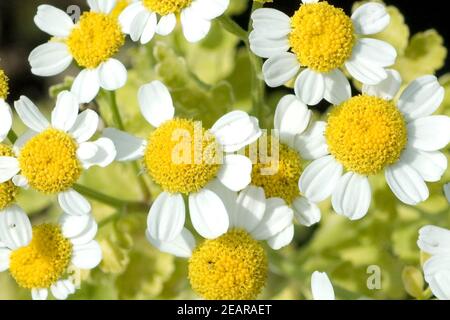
<point>19,35</point>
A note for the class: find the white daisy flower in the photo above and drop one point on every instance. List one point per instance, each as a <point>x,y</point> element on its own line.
<point>321,286</point>
<point>447,191</point>
<point>184,158</point>
<point>50,157</point>
<point>234,266</point>
<point>371,133</point>
<point>92,43</point>
<point>436,242</point>
<point>322,39</point>
<point>143,19</point>
<point>39,258</point>
<point>278,175</point>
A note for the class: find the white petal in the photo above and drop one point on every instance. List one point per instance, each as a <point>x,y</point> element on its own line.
<point>421,98</point>
<point>73,226</point>
<point>85,126</point>
<point>129,14</point>
<point>320,179</point>
<point>337,87</point>
<point>430,165</point>
<point>291,118</point>
<point>228,197</point>
<point>312,144</point>
<point>279,69</point>
<point>53,21</point>
<point>50,59</point>
<point>236,130</point>
<point>265,47</point>
<point>149,29</point>
<point>310,87</point>
<point>374,51</point>
<point>65,113</point>
<point>166,24</point>
<point>278,216</point>
<point>138,24</point>
<point>310,1</point>
<point>4,259</point>
<point>86,85</point>
<point>156,103</point>
<point>406,184</point>
<point>434,240</point>
<point>22,140</point>
<point>9,167</point>
<point>447,191</point>
<point>386,89</point>
<point>87,235</point>
<point>321,286</point>
<point>250,208</point>
<point>370,18</point>
<point>128,147</point>
<point>30,115</point>
<point>365,71</point>
<point>208,214</point>
<point>235,172</point>
<point>102,6</point>
<point>87,256</point>
<point>282,239</point>
<point>166,217</point>
<point>352,196</point>
<point>182,246</point>
<point>6,119</point>
<point>74,203</point>
<point>195,28</point>
<point>104,156</point>
<point>306,212</point>
<point>20,181</point>
<point>430,133</point>
<point>210,9</point>
<point>112,75</point>
<point>62,289</point>
<point>273,23</point>
<point>440,285</point>
<point>15,228</point>
<point>39,294</point>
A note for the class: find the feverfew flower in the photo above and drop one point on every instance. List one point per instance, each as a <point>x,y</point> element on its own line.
<point>143,19</point>
<point>278,169</point>
<point>370,134</point>
<point>92,43</point>
<point>234,266</point>
<point>39,258</point>
<point>322,39</point>
<point>50,157</point>
<point>436,242</point>
<point>183,158</point>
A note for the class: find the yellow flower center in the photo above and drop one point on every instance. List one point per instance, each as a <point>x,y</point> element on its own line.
<point>49,161</point>
<point>232,267</point>
<point>4,87</point>
<point>366,134</point>
<point>95,39</point>
<point>165,7</point>
<point>182,156</point>
<point>322,36</point>
<point>8,191</point>
<point>44,261</point>
<point>279,180</point>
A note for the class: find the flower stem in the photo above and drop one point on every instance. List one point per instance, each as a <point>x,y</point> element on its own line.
<point>12,136</point>
<point>232,27</point>
<point>111,201</point>
<point>115,110</point>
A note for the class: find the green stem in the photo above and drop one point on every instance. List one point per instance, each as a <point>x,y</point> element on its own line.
<point>142,183</point>
<point>232,27</point>
<point>115,110</point>
<point>12,136</point>
<point>111,201</point>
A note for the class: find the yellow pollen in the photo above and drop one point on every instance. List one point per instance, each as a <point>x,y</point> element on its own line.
<point>8,190</point>
<point>49,161</point>
<point>231,267</point>
<point>96,38</point>
<point>44,261</point>
<point>279,181</point>
<point>366,134</point>
<point>322,36</point>
<point>182,156</point>
<point>165,7</point>
<point>4,86</point>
